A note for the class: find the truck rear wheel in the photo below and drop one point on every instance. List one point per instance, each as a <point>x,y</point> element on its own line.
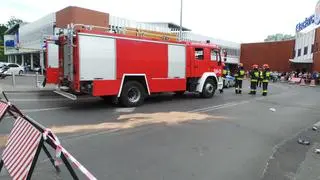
<point>209,88</point>
<point>133,94</point>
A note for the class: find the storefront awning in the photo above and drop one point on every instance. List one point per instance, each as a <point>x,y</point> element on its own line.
<point>301,62</point>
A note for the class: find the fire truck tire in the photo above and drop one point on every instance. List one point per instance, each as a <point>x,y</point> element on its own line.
<point>133,94</point>
<point>209,89</point>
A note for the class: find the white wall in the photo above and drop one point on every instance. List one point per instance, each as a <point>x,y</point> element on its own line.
<point>304,40</point>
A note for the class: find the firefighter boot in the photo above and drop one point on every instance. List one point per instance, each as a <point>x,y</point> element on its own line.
<point>237,91</point>
<point>221,91</point>
<point>264,94</point>
<point>240,92</point>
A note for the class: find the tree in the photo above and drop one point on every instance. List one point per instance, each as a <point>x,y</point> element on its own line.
<point>3,29</point>
<point>13,21</point>
<point>279,37</point>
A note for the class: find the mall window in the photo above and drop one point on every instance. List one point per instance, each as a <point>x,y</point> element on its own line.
<point>305,50</point>
<point>299,52</point>
<point>198,52</point>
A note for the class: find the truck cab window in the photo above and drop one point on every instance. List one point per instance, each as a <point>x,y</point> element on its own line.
<point>199,54</point>
<point>215,55</point>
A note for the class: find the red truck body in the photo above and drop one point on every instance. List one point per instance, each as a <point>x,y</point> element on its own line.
<point>103,64</point>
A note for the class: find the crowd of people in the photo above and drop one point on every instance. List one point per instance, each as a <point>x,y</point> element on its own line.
<point>307,76</point>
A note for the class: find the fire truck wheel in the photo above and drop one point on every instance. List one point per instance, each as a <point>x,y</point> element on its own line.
<point>209,88</point>
<point>132,94</point>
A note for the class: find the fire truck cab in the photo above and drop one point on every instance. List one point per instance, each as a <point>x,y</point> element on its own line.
<point>129,68</point>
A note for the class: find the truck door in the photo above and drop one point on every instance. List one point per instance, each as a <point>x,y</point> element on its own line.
<point>201,61</point>
<point>215,58</point>
<point>52,64</point>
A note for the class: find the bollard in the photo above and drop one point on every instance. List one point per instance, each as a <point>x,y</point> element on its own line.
<point>13,79</point>
<point>37,79</point>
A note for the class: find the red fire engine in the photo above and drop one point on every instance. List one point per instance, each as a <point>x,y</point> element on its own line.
<point>129,68</point>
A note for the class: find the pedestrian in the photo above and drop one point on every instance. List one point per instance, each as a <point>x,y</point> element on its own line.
<point>225,72</point>
<point>239,75</point>
<point>254,76</point>
<point>265,79</point>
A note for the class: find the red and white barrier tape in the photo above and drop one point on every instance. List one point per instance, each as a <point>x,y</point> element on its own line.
<point>57,161</point>
<point>60,150</point>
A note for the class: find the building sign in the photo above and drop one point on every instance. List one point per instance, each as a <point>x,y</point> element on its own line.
<point>313,19</point>
<point>10,44</point>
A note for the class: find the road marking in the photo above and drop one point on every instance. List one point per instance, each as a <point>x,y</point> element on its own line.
<point>124,110</point>
<point>43,109</point>
<point>210,107</point>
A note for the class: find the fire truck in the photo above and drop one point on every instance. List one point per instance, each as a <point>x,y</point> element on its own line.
<point>129,68</point>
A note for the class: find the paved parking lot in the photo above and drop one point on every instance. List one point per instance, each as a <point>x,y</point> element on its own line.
<point>227,137</point>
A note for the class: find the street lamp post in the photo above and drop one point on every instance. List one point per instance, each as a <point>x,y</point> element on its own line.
<point>180,34</point>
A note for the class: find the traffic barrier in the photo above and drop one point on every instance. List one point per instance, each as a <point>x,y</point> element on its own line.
<point>22,146</point>
<point>3,109</point>
<point>294,80</point>
<point>303,82</point>
<point>25,142</point>
<point>313,83</point>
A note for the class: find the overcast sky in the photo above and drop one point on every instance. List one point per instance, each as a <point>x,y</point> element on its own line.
<point>234,20</point>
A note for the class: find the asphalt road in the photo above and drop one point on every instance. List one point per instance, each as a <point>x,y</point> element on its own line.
<point>224,138</point>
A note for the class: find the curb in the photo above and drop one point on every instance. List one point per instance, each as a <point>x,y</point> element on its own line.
<point>28,91</point>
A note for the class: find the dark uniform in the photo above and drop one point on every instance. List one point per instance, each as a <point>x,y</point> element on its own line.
<point>265,79</point>
<point>254,76</point>
<point>239,75</point>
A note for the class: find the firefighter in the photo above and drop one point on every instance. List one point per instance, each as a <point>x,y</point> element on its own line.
<point>260,77</point>
<point>239,75</point>
<point>225,72</point>
<point>254,76</point>
<point>265,79</point>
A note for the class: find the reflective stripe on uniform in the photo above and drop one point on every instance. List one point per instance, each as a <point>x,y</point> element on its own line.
<point>254,80</point>
<point>241,72</point>
<point>256,74</point>
<point>265,91</point>
<point>268,74</point>
<point>265,81</point>
<point>239,78</point>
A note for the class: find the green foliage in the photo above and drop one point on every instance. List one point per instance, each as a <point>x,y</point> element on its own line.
<point>12,21</point>
<point>3,29</point>
<point>279,37</point>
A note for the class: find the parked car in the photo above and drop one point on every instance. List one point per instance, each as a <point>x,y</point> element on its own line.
<point>230,81</point>
<point>14,68</point>
<point>2,64</point>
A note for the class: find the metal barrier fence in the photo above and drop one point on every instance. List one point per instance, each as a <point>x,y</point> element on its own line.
<point>25,142</point>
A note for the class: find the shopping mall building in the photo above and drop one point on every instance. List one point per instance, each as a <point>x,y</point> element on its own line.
<point>301,53</point>
<point>24,43</point>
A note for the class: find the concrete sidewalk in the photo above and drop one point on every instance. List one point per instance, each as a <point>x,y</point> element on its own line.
<point>24,84</point>
<point>24,88</point>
